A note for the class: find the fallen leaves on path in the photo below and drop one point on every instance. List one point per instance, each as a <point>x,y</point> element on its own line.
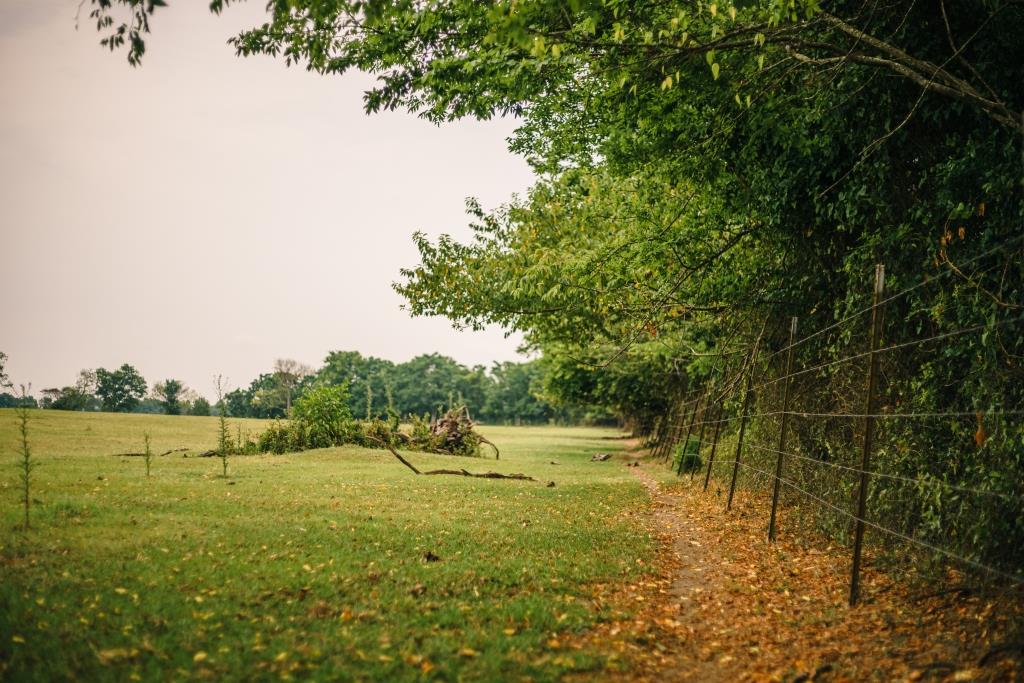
<point>726,605</point>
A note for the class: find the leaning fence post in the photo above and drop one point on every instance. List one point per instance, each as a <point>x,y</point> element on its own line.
<point>714,441</point>
<point>666,427</point>
<point>679,415</point>
<point>689,430</point>
<point>718,425</point>
<point>869,426</point>
<point>703,424</point>
<point>697,409</point>
<point>657,433</point>
<point>663,425</point>
<point>782,429</point>
<point>743,422</point>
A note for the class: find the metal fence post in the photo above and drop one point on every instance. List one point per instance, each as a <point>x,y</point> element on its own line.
<point>714,441</point>
<point>661,429</point>
<point>693,418</point>
<point>703,424</point>
<point>673,435</point>
<point>743,422</point>
<point>669,427</point>
<point>782,429</point>
<point>869,425</point>
<point>659,435</point>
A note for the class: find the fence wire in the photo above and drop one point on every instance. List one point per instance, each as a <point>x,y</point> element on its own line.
<point>936,475</point>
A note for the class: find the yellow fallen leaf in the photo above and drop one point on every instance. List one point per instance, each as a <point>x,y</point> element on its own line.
<point>281,656</point>
<point>199,657</point>
<point>17,639</point>
<point>468,652</point>
<point>509,632</point>
<point>114,654</point>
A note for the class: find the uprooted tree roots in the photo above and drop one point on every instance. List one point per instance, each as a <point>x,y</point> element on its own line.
<point>451,433</point>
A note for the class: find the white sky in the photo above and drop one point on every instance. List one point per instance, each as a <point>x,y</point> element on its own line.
<point>207,214</point>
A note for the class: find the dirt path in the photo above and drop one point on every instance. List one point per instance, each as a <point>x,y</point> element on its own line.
<point>725,605</point>
<point>683,539</point>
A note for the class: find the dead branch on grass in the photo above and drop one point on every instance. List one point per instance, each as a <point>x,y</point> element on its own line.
<point>459,472</point>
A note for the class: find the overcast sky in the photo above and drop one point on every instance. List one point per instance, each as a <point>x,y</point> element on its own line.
<point>207,214</point>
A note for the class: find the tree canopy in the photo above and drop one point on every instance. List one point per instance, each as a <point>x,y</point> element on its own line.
<point>120,389</point>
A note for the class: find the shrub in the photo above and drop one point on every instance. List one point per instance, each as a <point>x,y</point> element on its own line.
<point>323,414</point>
<point>200,407</point>
<point>282,437</point>
<point>376,432</point>
<point>688,455</point>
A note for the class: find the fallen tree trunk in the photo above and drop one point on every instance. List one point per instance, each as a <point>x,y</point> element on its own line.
<point>457,473</point>
<point>484,475</point>
<point>141,455</point>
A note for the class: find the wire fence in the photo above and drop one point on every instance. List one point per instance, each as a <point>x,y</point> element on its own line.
<point>900,424</point>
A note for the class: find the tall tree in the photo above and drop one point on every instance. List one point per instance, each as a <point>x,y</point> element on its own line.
<point>169,393</point>
<point>363,375</point>
<point>513,395</point>
<point>288,374</point>
<point>121,389</point>
<point>5,381</point>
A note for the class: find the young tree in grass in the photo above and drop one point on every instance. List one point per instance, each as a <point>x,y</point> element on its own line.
<point>148,453</point>
<point>169,392</point>
<point>25,464</point>
<point>223,435</point>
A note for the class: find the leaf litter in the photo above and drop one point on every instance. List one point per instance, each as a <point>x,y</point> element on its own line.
<point>723,604</point>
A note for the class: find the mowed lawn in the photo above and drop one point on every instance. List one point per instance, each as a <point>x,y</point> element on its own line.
<point>335,564</point>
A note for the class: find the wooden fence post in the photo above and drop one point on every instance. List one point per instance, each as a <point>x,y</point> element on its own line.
<point>782,429</point>
<point>869,424</point>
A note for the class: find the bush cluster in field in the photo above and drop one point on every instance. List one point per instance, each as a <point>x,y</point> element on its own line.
<point>321,418</point>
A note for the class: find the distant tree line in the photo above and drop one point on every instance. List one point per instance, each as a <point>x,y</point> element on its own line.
<point>508,393</point>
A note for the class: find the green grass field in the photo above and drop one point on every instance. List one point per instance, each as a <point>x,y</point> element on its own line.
<point>318,565</point>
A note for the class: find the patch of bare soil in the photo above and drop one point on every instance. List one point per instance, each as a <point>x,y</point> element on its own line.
<point>726,605</point>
